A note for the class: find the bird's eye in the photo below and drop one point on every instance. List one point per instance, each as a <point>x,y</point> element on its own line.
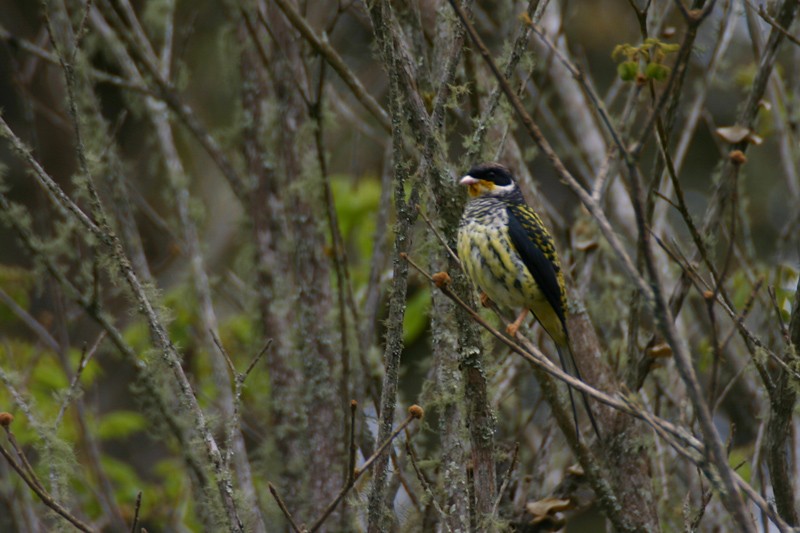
<point>502,180</point>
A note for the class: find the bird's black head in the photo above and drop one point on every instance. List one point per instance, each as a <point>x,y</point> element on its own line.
<point>490,179</point>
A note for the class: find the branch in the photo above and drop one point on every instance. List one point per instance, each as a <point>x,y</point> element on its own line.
<point>762,12</point>
<point>167,93</point>
<point>169,352</point>
<point>35,485</point>
<point>679,437</point>
<point>779,427</point>
<point>323,47</point>
<point>415,412</point>
<point>284,509</point>
<point>653,290</point>
<point>33,324</point>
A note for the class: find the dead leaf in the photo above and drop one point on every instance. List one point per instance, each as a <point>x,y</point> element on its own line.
<point>584,236</point>
<point>736,134</point>
<point>575,470</point>
<point>660,350</point>
<point>545,512</point>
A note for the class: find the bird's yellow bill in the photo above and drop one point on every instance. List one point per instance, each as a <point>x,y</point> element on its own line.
<point>476,187</point>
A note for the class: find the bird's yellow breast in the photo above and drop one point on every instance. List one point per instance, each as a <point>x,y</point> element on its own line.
<point>494,265</point>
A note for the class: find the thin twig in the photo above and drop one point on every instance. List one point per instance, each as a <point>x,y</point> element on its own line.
<point>256,359</point>
<point>762,12</point>
<point>440,237</point>
<point>136,509</point>
<point>23,459</point>
<point>30,321</point>
<point>43,495</point>
<point>333,58</point>
<point>506,480</point>
<point>81,31</point>
<point>716,347</point>
<point>218,344</point>
<point>285,510</point>
<point>775,307</point>
<point>681,439</point>
<point>352,448</point>
<point>86,356</point>
<point>426,486</point>
<point>415,412</point>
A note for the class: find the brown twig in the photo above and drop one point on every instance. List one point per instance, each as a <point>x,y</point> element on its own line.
<point>441,239</point>
<point>681,439</point>
<point>284,509</point>
<point>86,356</point>
<point>33,324</point>
<point>352,448</point>
<point>336,62</point>
<point>776,308</point>
<point>506,479</point>
<point>762,12</point>
<point>111,243</point>
<point>415,412</point>
<point>423,480</point>
<point>255,360</point>
<point>30,479</point>
<point>224,353</point>
<point>136,509</point>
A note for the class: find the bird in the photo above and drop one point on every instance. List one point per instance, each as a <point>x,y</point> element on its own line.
<point>508,253</point>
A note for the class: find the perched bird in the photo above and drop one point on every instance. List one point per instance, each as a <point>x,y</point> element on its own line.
<point>509,255</point>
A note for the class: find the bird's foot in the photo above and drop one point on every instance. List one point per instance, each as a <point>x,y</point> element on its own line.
<point>512,328</point>
<point>485,300</point>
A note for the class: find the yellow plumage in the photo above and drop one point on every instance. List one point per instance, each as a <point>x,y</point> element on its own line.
<point>510,256</point>
<point>507,251</point>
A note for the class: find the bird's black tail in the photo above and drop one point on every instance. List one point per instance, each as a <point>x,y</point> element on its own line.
<point>583,394</point>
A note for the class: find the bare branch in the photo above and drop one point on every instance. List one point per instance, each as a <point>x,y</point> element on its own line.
<point>29,478</point>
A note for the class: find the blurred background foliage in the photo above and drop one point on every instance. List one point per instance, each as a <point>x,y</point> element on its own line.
<point>133,450</point>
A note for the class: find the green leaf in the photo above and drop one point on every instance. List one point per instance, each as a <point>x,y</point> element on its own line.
<point>16,282</point>
<point>416,317</point>
<point>120,424</point>
<point>627,71</point>
<point>121,474</point>
<point>656,71</point>
<point>48,375</point>
<point>137,335</point>
<point>740,457</point>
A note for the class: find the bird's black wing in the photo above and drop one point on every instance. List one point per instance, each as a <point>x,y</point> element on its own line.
<point>535,246</point>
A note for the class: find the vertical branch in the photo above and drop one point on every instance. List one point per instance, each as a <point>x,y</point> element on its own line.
<point>446,360</point>
<point>406,210</point>
<point>312,332</point>
<point>121,263</point>
<point>427,130</point>
<point>406,213</point>
<point>779,426</point>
